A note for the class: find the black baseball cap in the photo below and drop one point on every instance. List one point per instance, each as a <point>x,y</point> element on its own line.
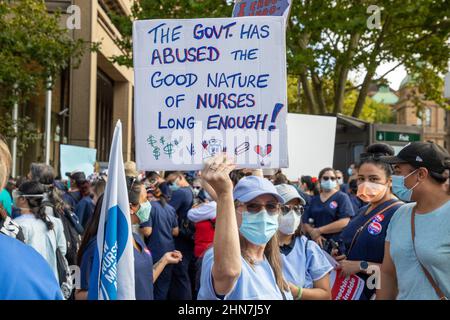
<point>422,154</point>
<point>78,176</point>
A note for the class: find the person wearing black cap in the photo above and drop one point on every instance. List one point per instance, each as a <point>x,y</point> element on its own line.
<point>73,196</point>
<point>417,259</point>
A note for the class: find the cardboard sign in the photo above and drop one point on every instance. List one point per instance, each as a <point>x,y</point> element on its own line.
<point>305,142</point>
<point>244,8</point>
<point>206,86</point>
<point>77,158</point>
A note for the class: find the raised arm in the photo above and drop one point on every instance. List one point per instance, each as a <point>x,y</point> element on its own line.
<point>227,253</point>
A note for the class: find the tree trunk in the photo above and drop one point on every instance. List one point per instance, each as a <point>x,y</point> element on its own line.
<point>318,92</point>
<point>299,95</point>
<point>339,94</point>
<point>363,93</point>
<point>310,101</point>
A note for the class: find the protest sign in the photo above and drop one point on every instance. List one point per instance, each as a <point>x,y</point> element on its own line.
<point>309,137</point>
<point>77,158</point>
<point>243,8</point>
<point>345,288</point>
<point>205,86</point>
<point>342,287</point>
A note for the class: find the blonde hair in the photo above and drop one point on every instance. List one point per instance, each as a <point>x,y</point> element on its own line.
<point>5,163</point>
<point>273,256</point>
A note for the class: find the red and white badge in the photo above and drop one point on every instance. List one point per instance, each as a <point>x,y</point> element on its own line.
<point>333,205</point>
<point>378,218</point>
<point>374,228</point>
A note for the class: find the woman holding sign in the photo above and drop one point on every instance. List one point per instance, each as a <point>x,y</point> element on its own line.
<point>245,262</point>
<point>364,236</point>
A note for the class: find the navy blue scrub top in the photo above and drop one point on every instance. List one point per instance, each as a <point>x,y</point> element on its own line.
<point>320,214</point>
<point>369,246</point>
<point>162,221</point>
<point>84,210</point>
<point>357,203</point>
<point>143,268</point>
<point>143,271</point>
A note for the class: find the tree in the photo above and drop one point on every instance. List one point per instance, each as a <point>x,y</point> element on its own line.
<point>164,9</point>
<point>33,47</point>
<point>328,39</point>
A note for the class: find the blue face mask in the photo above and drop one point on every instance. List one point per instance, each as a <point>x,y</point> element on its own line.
<point>143,213</point>
<point>258,228</point>
<point>399,188</point>
<point>174,186</point>
<point>328,185</point>
<point>350,171</point>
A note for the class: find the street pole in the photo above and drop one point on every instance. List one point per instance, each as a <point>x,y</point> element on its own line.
<point>48,120</point>
<point>15,116</point>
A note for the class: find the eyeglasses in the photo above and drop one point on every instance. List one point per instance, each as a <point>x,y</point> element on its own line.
<point>272,208</point>
<point>328,178</point>
<point>297,209</point>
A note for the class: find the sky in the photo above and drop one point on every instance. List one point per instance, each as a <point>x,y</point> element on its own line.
<point>394,78</point>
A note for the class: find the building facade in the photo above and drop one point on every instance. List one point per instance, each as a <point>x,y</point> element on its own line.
<point>414,110</point>
<point>88,100</point>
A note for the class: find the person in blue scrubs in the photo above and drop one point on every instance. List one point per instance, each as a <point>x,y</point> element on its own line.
<point>364,236</point>
<point>84,209</point>
<point>244,262</point>
<point>182,199</point>
<point>73,196</point>
<point>159,232</point>
<point>304,263</point>
<point>329,212</point>
<point>341,183</point>
<point>145,271</point>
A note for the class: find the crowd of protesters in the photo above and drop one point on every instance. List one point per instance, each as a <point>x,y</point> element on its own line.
<point>224,233</point>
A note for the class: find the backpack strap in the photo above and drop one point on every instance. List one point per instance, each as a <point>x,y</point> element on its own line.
<point>433,283</point>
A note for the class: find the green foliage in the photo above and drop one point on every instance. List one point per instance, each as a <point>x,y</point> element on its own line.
<point>163,9</point>
<point>328,39</point>
<point>331,38</point>
<point>33,46</point>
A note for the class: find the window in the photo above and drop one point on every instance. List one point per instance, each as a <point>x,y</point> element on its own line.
<point>428,113</point>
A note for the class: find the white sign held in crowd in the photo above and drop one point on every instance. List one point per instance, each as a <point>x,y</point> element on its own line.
<point>75,158</point>
<point>206,86</point>
<point>310,137</point>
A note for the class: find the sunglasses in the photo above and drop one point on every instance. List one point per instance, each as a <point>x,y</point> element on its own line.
<point>271,207</point>
<point>297,209</point>
<point>329,178</point>
<point>196,187</point>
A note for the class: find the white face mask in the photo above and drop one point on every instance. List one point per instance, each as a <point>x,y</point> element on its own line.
<point>289,222</point>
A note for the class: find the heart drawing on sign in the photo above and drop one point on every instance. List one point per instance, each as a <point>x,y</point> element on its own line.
<point>263,152</point>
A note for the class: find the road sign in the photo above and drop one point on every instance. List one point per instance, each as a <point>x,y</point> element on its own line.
<point>397,136</point>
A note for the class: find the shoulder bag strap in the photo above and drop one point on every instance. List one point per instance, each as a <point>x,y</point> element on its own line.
<point>436,288</point>
<point>360,229</point>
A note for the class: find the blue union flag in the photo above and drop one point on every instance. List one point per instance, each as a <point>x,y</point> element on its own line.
<point>112,276</point>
